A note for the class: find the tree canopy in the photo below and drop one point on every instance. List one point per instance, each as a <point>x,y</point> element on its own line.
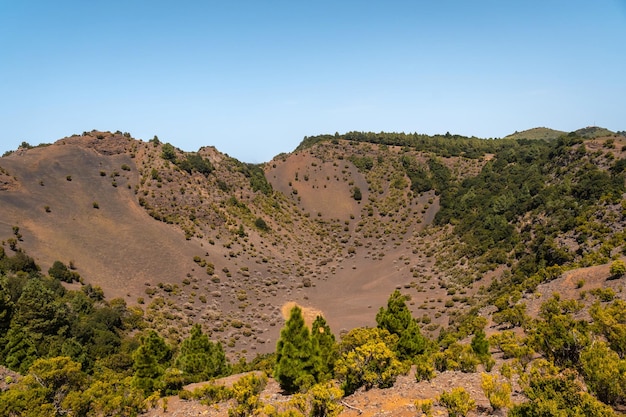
<point>296,359</point>
<point>398,320</point>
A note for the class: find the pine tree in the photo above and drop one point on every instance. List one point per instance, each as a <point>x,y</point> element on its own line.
<point>199,358</point>
<point>480,344</point>
<point>324,343</point>
<point>295,357</point>
<point>6,307</point>
<point>480,348</point>
<point>20,351</point>
<point>41,314</point>
<point>397,319</point>
<point>150,361</point>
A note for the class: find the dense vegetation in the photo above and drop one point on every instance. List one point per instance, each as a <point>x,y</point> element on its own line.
<point>443,145</point>
<point>559,180</point>
<point>84,355</point>
<point>188,161</point>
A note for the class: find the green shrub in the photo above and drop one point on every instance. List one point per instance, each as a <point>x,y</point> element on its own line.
<point>425,406</point>
<point>424,368</point>
<point>363,163</point>
<point>195,162</point>
<point>61,272</point>
<point>551,392</point>
<point>208,394</point>
<point>368,360</point>
<point>603,294</point>
<point>618,268</point>
<point>246,393</point>
<point>324,400</point>
<point>497,392</point>
<point>261,224</point>
<point>604,372</point>
<point>168,152</point>
<point>458,402</point>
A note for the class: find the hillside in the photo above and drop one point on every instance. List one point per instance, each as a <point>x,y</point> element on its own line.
<point>206,254</point>
<point>543,133</point>
<point>467,229</point>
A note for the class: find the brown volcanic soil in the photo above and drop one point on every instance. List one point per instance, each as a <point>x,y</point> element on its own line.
<point>381,229</point>
<point>325,250</point>
<point>317,185</point>
<point>117,246</point>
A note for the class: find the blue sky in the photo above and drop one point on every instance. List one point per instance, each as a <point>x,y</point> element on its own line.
<point>254,77</point>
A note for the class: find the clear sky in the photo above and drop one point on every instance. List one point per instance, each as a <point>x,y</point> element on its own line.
<point>254,77</point>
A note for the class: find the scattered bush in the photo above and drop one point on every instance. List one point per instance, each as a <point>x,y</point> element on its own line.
<point>61,272</point>
<point>424,368</point>
<point>425,406</point>
<point>497,392</point>
<point>458,402</point>
<point>246,393</point>
<point>618,269</point>
<point>261,224</point>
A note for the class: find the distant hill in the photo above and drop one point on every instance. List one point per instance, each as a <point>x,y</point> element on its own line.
<point>537,133</point>
<point>593,132</point>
